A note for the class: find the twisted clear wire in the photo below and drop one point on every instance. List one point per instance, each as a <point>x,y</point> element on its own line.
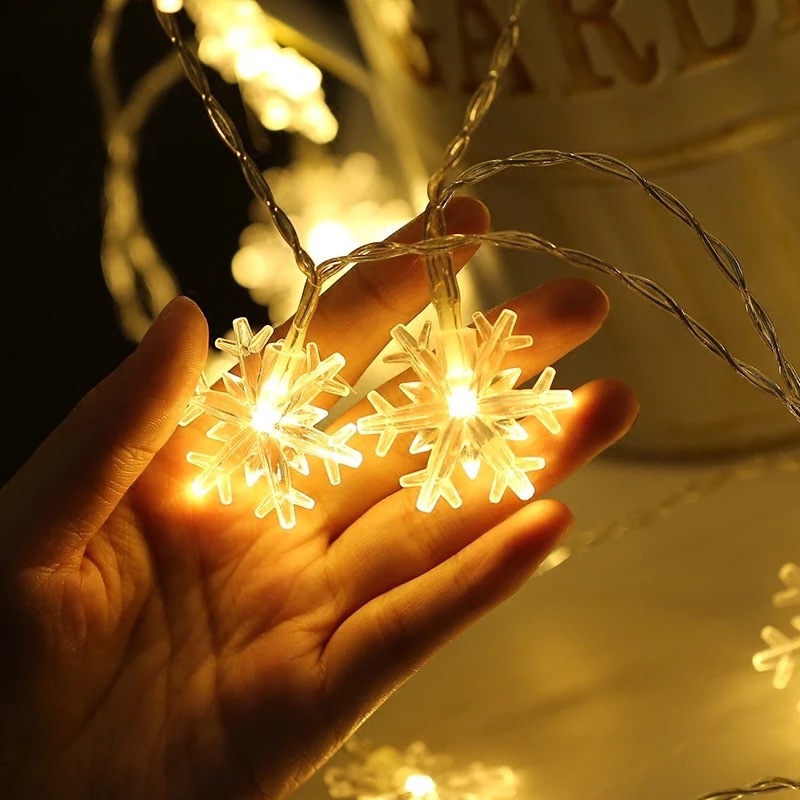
<point>523,240</point>
<point>227,131</point>
<point>230,136</point>
<point>720,253</point>
<point>693,491</point>
<point>760,788</point>
<point>445,294</point>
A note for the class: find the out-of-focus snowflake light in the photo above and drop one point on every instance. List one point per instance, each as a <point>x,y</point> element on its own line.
<point>782,654</point>
<point>266,422</point>
<point>336,204</point>
<point>790,595</point>
<point>465,409</point>
<point>283,88</point>
<point>385,773</point>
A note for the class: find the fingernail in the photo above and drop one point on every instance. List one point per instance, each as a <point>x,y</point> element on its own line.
<point>170,307</point>
<point>168,310</point>
<point>464,209</point>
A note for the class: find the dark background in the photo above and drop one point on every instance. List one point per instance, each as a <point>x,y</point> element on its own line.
<point>64,337</point>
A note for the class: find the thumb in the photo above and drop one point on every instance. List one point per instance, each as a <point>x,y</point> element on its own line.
<point>71,484</point>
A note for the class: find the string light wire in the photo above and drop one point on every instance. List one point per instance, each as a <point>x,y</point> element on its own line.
<point>720,253</point>
<point>445,294</point>
<point>229,134</point>
<point>694,490</point>
<point>758,789</point>
<point>523,240</point>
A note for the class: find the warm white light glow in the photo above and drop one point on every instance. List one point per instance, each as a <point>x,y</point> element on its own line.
<point>420,786</point>
<point>275,114</point>
<point>329,236</point>
<point>248,267</point>
<point>335,205</point>
<point>462,402</point>
<point>282,87</point>
<point>789,575</point>
<point>265,417</point>
<point>782,654</point>
<point>386,773</point>
<point>169,6</point>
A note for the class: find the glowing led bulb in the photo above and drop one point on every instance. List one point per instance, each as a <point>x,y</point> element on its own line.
<point>462,402</point>
<point>169,6</point>
<point>267,423</point>
<point>465,409</point>
<point>420,786</point>
<point>265,417</point>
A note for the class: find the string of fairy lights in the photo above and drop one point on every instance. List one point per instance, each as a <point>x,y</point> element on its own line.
<point>450,441</point>
<point>464,409</point>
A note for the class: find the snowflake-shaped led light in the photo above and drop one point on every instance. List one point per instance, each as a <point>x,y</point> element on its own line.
<point>386,773</point>
<point>783,651</point>
<point>267,423</point>
<point>465,409</point>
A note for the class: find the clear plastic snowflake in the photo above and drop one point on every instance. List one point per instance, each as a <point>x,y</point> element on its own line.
<point>465,409</point>
<point>782,654</point>
<point>267,423</point>
<point>385,773</point>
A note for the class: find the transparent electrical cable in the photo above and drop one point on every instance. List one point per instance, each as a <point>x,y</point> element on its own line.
<point>230,136</point>
<point>364,770</point>
<point>719,252</point>
<point>137,277</point>
<point>439,247</point>
<point>523,240</point>
<point>758,789</point>
<point>477,109</point>
<point>465,408</point>
<point>445,293</point>
<point>693,491</point>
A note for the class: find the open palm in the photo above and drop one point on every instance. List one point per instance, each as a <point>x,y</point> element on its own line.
<point>165,646</point>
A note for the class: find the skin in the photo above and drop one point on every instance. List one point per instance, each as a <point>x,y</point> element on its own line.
<point>162,646</point>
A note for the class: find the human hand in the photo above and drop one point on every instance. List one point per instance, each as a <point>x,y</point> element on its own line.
<point>165,647</point>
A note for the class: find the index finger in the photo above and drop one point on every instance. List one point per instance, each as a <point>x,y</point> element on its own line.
<point>356,314</point>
